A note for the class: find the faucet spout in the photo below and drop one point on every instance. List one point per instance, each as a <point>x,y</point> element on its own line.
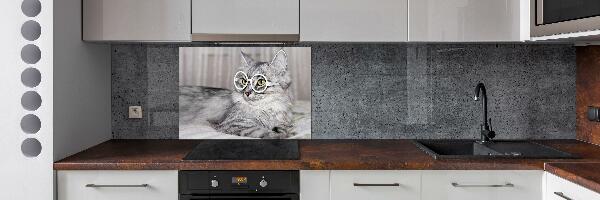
<point>486,133</point>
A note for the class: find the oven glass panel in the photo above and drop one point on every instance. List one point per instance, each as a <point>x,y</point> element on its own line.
<point>248,197</point>
<point>253,198</point>
<point>564,10</point>
<point>292,197</point>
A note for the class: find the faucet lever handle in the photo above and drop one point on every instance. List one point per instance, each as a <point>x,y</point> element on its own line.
<point>492,133</point>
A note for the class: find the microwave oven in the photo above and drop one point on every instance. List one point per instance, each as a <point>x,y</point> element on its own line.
<point>554,17</point>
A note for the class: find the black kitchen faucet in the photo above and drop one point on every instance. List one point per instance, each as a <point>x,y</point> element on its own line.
<point>487,134</point>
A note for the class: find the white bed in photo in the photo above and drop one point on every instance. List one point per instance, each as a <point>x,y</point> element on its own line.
<point>194,125</point>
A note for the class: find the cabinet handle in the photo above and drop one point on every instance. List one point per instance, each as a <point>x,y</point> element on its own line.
<point>498,185</point>
<point>376,184</point>
<point>562,195</point>
<point>115,186</point>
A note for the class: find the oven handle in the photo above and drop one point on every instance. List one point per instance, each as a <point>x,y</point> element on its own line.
<point>190,197</point>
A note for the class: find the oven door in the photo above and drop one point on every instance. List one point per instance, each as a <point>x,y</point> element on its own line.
<point>551,17</point>
<point>241,197</point>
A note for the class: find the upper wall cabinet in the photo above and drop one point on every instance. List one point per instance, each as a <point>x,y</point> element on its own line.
<point>468,21</point>
<point>354,20</point>
<point>136,20</point>
<point>307,20</point>
<point>244,20</point>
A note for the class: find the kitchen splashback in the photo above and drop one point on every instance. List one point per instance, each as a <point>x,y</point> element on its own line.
<point>380,91</point>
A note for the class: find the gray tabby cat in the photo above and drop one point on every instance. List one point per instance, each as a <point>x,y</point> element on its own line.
<point>265,114</point>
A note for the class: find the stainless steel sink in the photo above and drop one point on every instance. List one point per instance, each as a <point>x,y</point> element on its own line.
<point>469,149</point>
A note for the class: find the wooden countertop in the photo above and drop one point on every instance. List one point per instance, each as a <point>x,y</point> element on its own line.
<point>331,155</point>
<point>314,155</point>
<point>584,174</point>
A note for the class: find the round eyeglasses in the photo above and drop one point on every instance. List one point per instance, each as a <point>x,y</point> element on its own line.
<point>258,83</point>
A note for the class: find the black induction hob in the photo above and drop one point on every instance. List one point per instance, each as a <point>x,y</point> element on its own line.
<point>262,149</point>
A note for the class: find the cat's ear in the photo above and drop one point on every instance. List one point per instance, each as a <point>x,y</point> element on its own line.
<point>248,61</point>
<point>280,60</point>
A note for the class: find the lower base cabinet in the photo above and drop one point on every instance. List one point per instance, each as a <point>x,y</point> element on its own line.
<point>482,185</point>
<point>117,185</point>
<point>421,185</point>
<point>376,185</point>
<point>560,189</point>
<point>314,184</point>
<point>341,185</point>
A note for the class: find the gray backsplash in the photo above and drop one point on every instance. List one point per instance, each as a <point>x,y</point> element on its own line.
<point>364,91</point>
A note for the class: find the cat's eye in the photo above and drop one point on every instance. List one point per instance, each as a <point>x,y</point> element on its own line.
<point>261,82</point>
<point>240,80</point>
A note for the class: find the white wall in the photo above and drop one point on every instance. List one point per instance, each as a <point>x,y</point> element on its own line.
<point>23,177</point>
<point>82,109</point>
<point>75,96</point>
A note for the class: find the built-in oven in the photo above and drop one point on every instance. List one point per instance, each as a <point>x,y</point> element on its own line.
<point>239,185</point>
<point>552,17</point>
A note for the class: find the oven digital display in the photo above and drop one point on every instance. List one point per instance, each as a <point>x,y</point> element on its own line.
<point>239,180</point>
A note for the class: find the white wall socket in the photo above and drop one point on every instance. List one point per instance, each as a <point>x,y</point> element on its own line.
<point>135,112</point>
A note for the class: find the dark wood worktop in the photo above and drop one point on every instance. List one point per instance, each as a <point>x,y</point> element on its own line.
<point>584,174</point>
<point>314,155</point>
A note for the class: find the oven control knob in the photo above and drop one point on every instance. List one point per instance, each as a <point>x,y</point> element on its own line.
<point>214,183</point>
<point>263,183</point>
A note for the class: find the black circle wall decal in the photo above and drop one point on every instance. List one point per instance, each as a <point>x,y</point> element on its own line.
<point>31,124</point>
<point>31,30</point>
<point>31,8</point>
<point>31,147</point>
<point>31,77</point>
<point>31,54</point>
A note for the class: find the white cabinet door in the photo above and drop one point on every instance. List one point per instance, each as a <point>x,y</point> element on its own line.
<point>468,21</point>
<point>354,20</point>
<point>136,20</point>
<point>560,189</point>
<point>117,185</point>
<point>482,185</point>
<point>245,20</point>
<point>314,185</point>
<point>375,185</point>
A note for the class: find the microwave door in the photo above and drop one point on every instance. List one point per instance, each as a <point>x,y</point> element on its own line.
<point>556,11</point>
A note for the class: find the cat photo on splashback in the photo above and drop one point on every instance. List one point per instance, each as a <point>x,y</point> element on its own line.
<point>244,93</point>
